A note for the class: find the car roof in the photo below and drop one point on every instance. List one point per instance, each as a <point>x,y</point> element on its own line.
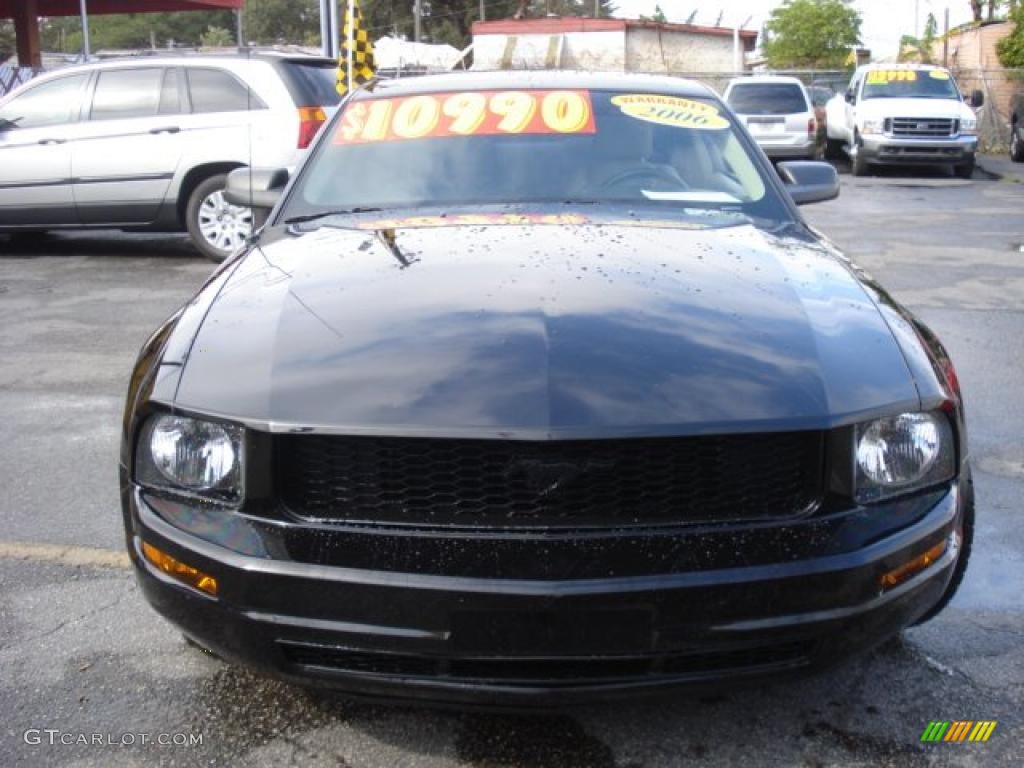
<point>756,79</point>
<point>487,80</point>
<point>191,58</point>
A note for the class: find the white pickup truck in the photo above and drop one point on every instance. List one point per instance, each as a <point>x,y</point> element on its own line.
<point>903,115</point>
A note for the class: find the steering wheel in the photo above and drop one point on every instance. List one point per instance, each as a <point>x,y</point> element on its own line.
<point>636,177</point>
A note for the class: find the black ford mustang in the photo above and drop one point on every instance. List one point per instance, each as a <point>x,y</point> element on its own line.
<point>537,387</point>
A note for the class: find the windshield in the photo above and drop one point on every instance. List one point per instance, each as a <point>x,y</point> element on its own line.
<point>767,99</point>
<point>533,146</point>
<point>909,84</point>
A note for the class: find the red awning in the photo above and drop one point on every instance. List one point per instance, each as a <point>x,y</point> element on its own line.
<point>97,7</point>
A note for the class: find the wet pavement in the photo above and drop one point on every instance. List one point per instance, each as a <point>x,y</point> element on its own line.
<point>82,655</point>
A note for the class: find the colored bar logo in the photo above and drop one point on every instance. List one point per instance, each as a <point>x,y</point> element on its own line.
<point>958,730</point>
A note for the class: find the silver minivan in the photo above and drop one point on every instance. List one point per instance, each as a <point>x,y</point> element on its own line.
<point>147,143</point>
<point>778,113</point>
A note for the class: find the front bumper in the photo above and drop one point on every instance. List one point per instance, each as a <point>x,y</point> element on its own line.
<point>880,149</point>
<point>462,637</point>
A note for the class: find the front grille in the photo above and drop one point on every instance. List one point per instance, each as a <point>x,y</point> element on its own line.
<point>552,671</point>
<point>573,483</point>
<point>923,127</point>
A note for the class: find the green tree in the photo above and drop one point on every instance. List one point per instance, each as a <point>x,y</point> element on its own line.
<point>811,33</point>
<point>282,21</point>
<point>6,40</point>
<point>132,30</point>
<point>978,9</point>
<point>216,37</point>
<point>451,21</point>
<point>921,49</point>
<point>1011,48</point>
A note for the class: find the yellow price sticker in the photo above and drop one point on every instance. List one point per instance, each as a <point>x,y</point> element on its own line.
<point>886,76</point>
<point>671,110</point>
<point>470,113</point>
<point>938,74</point>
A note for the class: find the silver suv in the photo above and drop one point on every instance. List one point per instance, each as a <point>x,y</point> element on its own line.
<point>147,143</point>
<point>778,113</point>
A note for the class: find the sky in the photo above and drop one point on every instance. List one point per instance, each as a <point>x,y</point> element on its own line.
<point>884,22</point>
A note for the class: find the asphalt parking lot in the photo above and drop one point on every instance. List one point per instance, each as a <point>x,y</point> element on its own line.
<point>81,653</point>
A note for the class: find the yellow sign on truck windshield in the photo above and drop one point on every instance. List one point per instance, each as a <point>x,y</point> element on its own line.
<point>886,76</point>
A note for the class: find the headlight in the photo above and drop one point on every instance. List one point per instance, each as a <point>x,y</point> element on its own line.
<point>182,453</point>
<point>902,453</point>
<point>873,126</point>
<point>969,126</point>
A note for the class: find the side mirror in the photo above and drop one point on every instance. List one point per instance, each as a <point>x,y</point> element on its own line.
<point>977,98</point>
<point>850,96</point>
<point>809,182</point>
<point>258,188</point>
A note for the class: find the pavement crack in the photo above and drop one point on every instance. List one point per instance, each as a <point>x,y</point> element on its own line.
<point>69,622</point>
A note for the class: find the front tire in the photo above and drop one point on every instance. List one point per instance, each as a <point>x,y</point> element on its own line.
<point>217,227</point>
<point>833,149</point>
<point>1016,145</point>
<point>858,165</point>
<point>965,170</point>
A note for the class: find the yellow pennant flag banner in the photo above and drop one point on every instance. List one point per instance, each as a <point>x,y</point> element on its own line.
<point>355,65</point>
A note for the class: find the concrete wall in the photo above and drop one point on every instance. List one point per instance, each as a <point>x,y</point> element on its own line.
<point>647,50</point>
<point>598,51</point>
<point>974,61</point>
<point>629,48</point>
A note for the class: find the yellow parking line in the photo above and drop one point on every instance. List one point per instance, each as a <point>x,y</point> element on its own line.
<point>54,553</point>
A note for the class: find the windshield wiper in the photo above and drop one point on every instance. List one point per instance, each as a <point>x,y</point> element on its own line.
<point>327,214</point>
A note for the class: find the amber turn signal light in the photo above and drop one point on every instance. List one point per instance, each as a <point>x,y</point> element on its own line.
<point>178,570</point>
<point>897,576</point>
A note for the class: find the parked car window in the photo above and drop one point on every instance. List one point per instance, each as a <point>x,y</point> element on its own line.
<point>767,99</point>
<point>855,87</point>
<point>214,90</point>
<point>51,103</point>
<point>124,93</point>
<point>170,94</point>
<point>316,82</point>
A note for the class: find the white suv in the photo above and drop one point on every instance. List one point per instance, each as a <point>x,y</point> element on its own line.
<point>147,143</point>
<point>778,113</point>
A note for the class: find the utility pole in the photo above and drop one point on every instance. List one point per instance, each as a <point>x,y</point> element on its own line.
<point>86,53</point>
<point>416,12</point>
<point>597,9</point>
<point>239,31</point>
<point>483,11</point>
<point>945,40</point>
<point>329,32</point>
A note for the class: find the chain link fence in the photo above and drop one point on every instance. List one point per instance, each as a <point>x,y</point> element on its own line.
<point>12,77</point>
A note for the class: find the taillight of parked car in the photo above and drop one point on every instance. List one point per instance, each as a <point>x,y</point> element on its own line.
<point>310,120</point>
<point>812,127</point>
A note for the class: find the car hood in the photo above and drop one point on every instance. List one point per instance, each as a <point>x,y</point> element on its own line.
<point>882,108</point>
<point>544,330</point>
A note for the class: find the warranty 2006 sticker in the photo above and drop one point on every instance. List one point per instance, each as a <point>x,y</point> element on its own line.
<point>671,110</point>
